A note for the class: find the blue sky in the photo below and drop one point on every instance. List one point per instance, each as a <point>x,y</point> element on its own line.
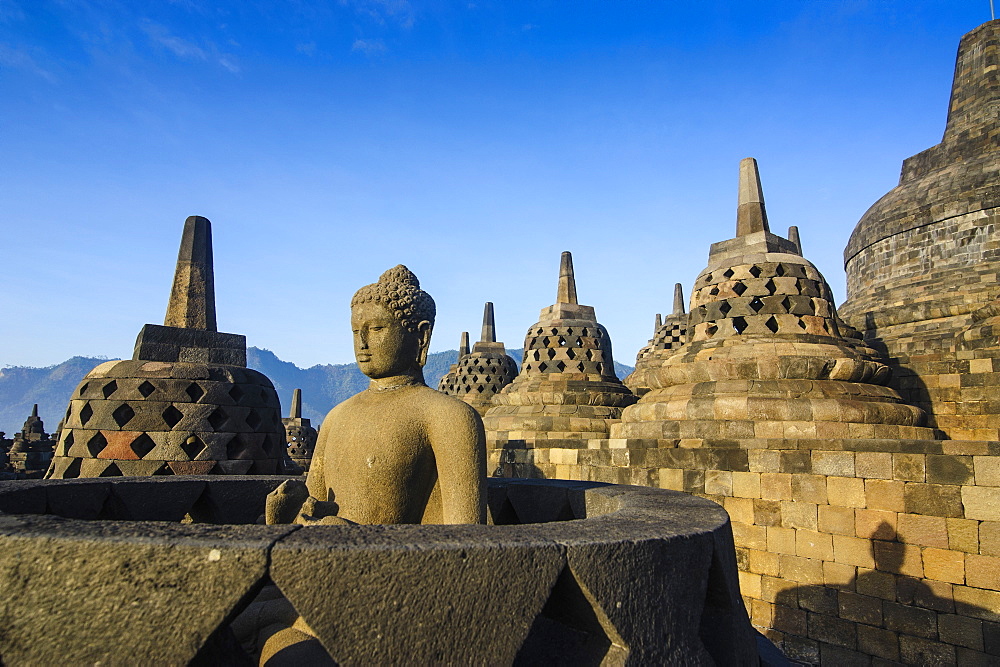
<point>471,141</point>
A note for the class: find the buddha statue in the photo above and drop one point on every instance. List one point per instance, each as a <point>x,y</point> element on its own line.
<point>398,452</point>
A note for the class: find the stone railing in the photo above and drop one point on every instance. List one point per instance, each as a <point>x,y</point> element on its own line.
<point>131,570</point>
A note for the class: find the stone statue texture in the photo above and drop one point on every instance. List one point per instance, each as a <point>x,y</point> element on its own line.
<point>398,452</point>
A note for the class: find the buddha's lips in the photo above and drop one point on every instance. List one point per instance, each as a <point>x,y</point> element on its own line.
<point>362,358</point>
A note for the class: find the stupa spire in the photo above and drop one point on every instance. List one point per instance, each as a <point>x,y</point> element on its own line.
<point>34,411</point>
<point>489,334</point>
<point>659,323</point>
<point>793,236</point>
<point>678,299</point>
<point>750,213</point>
<point>192,299</point>
<point>463,345</point>
<point>567,280</point>
<point>296,411</point>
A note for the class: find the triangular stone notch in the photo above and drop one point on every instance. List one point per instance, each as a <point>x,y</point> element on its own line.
<point>572,629</point>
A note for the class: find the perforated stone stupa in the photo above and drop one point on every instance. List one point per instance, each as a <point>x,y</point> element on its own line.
<point>447,382</point>
<point>480,374</point>
<point>300,436</point>
<point>567,387</point>
<point>185,403</point>
<point>31,451</point>
<point>669,335</point>
<point>765,357</point>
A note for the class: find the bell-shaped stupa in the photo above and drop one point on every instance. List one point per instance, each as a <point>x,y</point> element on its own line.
<point>185,403</point>
<point>567,387</point>
<point>300,436</point>
<point>669,335</point>
<point>765,357</point>
<point>486,370</point>
<point>447,382</point>
<point>32,448</point>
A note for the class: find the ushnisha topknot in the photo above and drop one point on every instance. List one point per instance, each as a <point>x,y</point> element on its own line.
<point>399,291</point>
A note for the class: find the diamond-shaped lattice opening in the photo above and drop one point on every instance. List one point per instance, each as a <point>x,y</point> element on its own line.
<point>770,286</point>
<point>86,412</point>
<point>724,308</point>
<point>786,303</point>
<point>542,366</point>
<point>570,353</point>
<point>554,331</point>
<point>537,355</point>
<point>561,366</point>
<point>545,341</point>
<point>194,391</point>
<point>779,270</point>
<point>740,324</point>
<point>123,414</point>
<point>569,331</point>
<point>163,470</point>
<point>739,288</point>
<point>755,271</point>
<point>96,444</point>
<point>551,353</point>
<point>772,324</point>
<point>802,325</point>
<point>192,446</point>
<point>480,389</point>
<point>756,304</point>
<point>711,330</point>
<point>83,388</point>
<point>600,368</point>
<point>67,443</point>
<point>562,342</point>
<point>234,448</point>
<point>109,389</point>
<point>585,332</point>
<point>142,445</point>
<point>728,273</point>
<point>172,415</point>
<point>812,306</point>
<point>708,278</point>
<point>714,291</point>
<point>111,471</point>
<point>73,469</point>
<point>236,394</point>
<point>581,366</point>
<point>146,388</point>
<point>217,418</point>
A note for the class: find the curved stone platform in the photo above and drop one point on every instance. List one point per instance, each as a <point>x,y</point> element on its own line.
<point>575,572</point>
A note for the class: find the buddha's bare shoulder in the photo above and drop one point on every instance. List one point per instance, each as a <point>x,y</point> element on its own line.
<point>443,404</point>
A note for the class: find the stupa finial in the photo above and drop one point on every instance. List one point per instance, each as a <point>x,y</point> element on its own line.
<point>678,299</point>
<point>296,411</point>
<point>463,345</point>
<point>489,334</point>
<point>793,236</point>
<point>567,280</point>
<point>750,214</point>
<point>192,299</point>
<point>34,410</point>
<point>659,322</point>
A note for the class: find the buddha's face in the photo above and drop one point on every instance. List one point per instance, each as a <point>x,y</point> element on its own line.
<point>382,346</point>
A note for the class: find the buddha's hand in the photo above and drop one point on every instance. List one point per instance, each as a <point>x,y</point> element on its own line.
<point>320,513</point>
<point>283,504</point>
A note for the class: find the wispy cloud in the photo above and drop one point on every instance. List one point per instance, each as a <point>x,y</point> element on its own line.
<point>369,47</point>
<point>179,47</point>
<point>188,50</point>
<point>15,58</point>
<point>382,11</point>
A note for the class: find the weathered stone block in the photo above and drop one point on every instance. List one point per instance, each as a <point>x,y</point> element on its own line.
<point>944,565</point>
<point>933,499</point>
<point>981,502</point>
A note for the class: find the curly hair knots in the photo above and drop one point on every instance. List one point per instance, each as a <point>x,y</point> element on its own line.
<point>399,291</point>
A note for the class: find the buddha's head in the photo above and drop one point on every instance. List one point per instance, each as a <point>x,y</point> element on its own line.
<point>392,321</point>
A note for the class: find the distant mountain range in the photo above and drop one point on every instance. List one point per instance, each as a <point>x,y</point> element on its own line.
<point>323,386</point>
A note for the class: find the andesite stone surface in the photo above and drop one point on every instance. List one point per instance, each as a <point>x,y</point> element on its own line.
<point>484,371</point>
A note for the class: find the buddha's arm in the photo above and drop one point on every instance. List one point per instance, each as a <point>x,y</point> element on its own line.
<point>459,444</point>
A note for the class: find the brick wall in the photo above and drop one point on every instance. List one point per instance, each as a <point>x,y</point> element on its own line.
<point>862,550</point>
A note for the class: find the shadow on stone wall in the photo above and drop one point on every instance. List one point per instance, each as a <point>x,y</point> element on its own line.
<point>510,466</point>
<point>886,613</point>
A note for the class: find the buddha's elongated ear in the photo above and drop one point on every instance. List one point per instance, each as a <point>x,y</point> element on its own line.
<point>423,341</point>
